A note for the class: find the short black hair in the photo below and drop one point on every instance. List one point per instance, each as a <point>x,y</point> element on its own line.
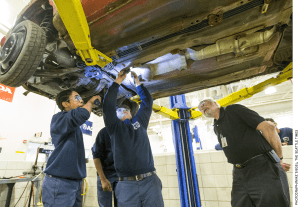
<point>62,97</point>
<point>270,119</point>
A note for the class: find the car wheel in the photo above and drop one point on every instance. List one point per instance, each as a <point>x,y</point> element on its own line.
<point>22,53</point>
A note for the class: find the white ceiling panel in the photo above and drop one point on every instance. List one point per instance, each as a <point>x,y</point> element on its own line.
<point>10,10</point>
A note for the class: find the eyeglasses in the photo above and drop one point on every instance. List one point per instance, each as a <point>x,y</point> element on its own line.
<point>203,103</point>
<point>76,98</point>
<point>123,110</point>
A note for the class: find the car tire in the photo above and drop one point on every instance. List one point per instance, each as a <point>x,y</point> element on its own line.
<point>22,53</point>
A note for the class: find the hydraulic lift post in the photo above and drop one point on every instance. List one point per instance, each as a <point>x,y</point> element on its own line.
<point>184,155</point>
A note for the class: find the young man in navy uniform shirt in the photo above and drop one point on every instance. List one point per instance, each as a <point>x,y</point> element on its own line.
<point>285,134</point>
<point>66,166</point>
<point>107,178</point>
<point>259,177</point>
<point>138,183</point>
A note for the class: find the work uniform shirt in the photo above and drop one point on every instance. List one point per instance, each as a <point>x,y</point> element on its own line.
<point>102,150</point>
<point>286,132</point>
<point>68,158</point>
<point>236,129</point>
<point>129,140</point>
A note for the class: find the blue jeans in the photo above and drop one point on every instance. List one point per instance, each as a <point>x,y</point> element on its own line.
<point>143,193</point>
<point>105,197</point>
<point>61,192</point>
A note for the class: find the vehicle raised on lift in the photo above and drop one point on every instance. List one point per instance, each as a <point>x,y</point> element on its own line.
<point>174,46</point>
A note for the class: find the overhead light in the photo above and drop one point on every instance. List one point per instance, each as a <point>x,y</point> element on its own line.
<point>270,90</point>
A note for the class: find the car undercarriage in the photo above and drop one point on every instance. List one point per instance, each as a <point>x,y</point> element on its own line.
<point>174,46</point>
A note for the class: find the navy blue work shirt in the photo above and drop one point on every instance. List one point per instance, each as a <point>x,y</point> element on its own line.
<point>129,139</point>
<point>286,132</point>
<point>68,158</point>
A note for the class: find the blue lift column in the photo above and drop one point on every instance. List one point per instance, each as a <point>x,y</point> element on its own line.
<point>197,138</point>
<point>184,154</point>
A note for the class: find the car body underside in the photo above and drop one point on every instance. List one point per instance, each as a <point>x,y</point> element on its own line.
<point>174,46</point>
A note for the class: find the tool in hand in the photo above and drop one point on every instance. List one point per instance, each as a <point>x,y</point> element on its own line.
<point>97,102</point>
<point>126,71</point>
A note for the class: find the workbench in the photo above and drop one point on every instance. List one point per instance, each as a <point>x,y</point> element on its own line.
<point>11,182</point>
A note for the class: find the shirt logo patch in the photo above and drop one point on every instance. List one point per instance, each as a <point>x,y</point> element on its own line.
<point>136,125</point>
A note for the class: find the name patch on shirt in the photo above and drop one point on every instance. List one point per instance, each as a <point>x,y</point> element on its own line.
<point>136,125</point>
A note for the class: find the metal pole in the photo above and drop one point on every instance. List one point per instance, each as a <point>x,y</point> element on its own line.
<point>185,144</point>
<point>186,169</point>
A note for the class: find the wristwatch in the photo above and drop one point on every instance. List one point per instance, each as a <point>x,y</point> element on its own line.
<point>281,158</point>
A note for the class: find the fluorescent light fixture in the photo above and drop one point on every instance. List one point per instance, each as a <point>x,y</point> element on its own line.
<point>270,90</point>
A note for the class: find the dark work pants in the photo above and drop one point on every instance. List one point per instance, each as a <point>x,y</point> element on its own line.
<point>262,183</point>
<point>105,197</point>
<point>60,192</point>
<point>143,193</point>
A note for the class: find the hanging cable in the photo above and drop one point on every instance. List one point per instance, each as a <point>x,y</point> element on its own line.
<point>21,195</point>
<point>86,189</point>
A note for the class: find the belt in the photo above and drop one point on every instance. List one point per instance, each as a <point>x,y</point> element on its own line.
<point>244,164</point>
<point>64,178</point>
<point>137,177</point>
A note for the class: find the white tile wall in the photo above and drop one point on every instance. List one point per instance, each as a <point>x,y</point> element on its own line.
<point>218,168</point>
<point>213,171</point>
<point>216,156</point>
<point>171,170</point>
<point>221,181</point>
<point>164,180</point>
<point>172,181</point>
<point>287,152</point>
<point>224,204</point>
<point>212,204</point>
<point>210,194</point>
<point>171,160</point>
<point>206,169</point>
<point>208,181</point>
<point>204,157</point>
<point>174,194</point>
<point>224,194</point>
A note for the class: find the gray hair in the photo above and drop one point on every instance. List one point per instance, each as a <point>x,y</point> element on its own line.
<point>210,100</point>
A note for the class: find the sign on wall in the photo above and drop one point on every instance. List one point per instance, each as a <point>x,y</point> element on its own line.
<point>87,128</point>
<point>6,93</point>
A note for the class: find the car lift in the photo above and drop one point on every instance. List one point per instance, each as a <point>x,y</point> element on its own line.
<point>74,19</point>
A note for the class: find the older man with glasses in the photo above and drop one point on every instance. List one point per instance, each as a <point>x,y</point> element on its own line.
<point>66,166</point>
<point>252,145</point>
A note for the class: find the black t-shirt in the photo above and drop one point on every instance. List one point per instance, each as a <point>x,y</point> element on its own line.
<point>237,124</point>
<point>102,150</point>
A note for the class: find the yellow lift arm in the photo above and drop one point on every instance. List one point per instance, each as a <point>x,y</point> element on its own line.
<point>169,113</point>
<point>74,19</point>
<point>235,97</point>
